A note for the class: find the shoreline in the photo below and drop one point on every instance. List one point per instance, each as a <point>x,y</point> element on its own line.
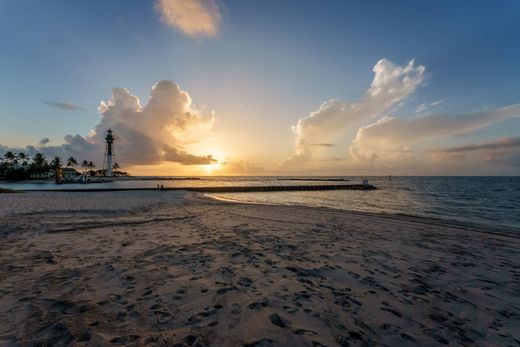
<point>397,216</point>
<point>165,268</point>
<point>206,196</point>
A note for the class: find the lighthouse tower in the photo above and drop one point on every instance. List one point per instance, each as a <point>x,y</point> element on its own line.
<point>109,153</point>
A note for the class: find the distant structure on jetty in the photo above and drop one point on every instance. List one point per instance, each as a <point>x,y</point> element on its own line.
<point>109,153</point>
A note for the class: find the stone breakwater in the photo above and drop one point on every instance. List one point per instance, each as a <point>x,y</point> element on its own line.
<point>233,189</point>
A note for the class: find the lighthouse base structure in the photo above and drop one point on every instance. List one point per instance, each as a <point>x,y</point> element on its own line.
<point>108,171</point>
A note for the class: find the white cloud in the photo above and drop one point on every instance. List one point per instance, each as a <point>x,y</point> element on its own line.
<point>192,17</point>
<point>421,108</point>
<point>390,137</point>
<point>438,102</point>
<point>391,85</point>
<point>424,106</point>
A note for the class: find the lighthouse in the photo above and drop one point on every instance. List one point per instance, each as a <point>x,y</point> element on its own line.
<point>109,153</point>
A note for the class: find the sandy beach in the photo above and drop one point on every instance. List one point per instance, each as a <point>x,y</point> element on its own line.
<point>167,268</point>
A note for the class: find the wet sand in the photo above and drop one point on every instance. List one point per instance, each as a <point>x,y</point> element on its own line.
<point>159,268</point>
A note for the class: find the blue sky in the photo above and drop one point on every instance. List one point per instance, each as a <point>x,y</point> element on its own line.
<point>270,64</point>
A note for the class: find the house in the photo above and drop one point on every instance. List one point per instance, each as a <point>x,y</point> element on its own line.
<point>70,174</point>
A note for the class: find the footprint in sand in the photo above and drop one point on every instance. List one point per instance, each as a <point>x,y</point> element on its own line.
<point>245,282</point>
<point>277,320</point>
<point>392,311</point>
<point>259,304</point>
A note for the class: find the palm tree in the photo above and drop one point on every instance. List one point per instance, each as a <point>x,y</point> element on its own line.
<point>4,165</point>
<point>39,160</point>
<point>56,165</point>
<point>91,166</point>
<point>9,157</point>
<point>24,158</point>
<point>115,167</point>
<point>84,164</point>
<point>39,164</point>
<point>72,162</point>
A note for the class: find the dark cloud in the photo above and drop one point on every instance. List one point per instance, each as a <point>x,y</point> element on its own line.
<point>179,156</point>
<point>508,142</point>
<point>503,151</point>
<point>64,105</point>
<point>323,144</point>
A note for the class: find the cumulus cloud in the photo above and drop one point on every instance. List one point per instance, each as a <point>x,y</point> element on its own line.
<point>391,85</point>
<point>389,137</point>
<point>156,132</point>
<point>44,141</point>
<point>192,17</point>
<point>64,105</point>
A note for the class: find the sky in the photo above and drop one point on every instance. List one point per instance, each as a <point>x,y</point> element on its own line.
<point>234,87</point>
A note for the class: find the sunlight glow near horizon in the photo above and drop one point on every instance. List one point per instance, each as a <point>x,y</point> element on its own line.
<point>219,157</point>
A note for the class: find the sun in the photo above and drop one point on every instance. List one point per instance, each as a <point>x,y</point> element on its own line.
<point>216,166</point>
<point>212,168</point>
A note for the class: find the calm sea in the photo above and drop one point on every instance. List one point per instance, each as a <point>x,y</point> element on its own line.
<point>487,202</point>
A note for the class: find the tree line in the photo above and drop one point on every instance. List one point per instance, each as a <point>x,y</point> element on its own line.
<point>22,167</point>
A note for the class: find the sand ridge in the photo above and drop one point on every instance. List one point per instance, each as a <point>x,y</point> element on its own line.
<point>184,271</point>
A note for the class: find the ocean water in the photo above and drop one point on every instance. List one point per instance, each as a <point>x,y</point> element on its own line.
<point>482,202</point>
<point>485,202</point>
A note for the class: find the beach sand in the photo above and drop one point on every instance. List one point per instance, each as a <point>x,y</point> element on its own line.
<point>163,268</point>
